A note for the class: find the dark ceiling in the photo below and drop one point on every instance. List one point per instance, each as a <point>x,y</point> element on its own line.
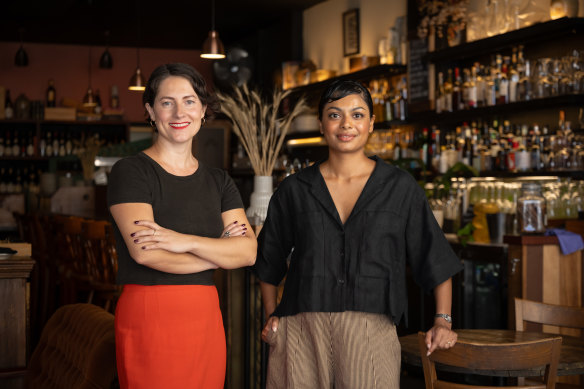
<point>150,23</point>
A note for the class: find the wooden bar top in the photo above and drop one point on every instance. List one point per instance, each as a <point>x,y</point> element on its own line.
<point>530,240</point>
<point>20,264</point>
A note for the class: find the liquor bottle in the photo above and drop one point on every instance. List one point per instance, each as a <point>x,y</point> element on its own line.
<point>98,107</point>
<point>55,145</point>
<point>490,87</point>
<point>397,150</point>
<point>10,181</point>
<point>51,94</point>
<point>480,84</point>
<point>524,86</point>
<point>30,144</point>
<point>68,145</point>
<point>424,142</point>
<point>62,149</point>
<point>16,145</point>
<point>114,99</point>
<point>8,145</point>
<point>49,145</point>
<point>448,106</point>
<point>43,146</point>
<point>467,154</point>
<point>387,107</point>
<point>439,106</point>
<point>435,149</point>
<point>403,99</point>
<point>8,106</point>
<point>513,77</point>
<point>457,101</point>
<point>470,88</point>
<point>504,82</point>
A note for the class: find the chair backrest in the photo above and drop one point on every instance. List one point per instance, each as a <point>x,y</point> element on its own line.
<point>527,311</point>
<point>76,350</point>
<point>93,234</point>
<point>476,357</point>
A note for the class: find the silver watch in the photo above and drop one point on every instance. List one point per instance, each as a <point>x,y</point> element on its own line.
<point>444,316</point>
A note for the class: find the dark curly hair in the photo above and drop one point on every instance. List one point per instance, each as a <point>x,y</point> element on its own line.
<point>343,88</point>
<point>188,72</point>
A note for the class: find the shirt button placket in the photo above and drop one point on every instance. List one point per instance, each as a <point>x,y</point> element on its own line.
<point>341,279</point>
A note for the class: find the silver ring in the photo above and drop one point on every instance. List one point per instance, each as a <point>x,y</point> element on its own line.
<point>449,342</point>
<point>227,234</point>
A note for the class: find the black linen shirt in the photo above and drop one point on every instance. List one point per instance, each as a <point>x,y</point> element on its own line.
<point>358,266</point>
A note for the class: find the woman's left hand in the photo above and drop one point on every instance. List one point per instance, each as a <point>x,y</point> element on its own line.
<point>157,237</point>
<point>440,337</point>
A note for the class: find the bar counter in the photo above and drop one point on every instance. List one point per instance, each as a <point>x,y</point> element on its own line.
<point>14,303</point>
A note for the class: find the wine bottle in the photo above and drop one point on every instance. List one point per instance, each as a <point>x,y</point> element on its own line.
<point>8,106</point>
<point>114,99</point>
<point>51,94</point>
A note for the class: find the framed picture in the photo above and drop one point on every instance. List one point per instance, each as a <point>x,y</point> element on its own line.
<point>351,32</point>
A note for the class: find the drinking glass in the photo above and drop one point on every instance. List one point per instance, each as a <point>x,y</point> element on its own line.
<point>543,85</point>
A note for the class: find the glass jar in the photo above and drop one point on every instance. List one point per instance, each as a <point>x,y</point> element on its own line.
<point>531,209</point>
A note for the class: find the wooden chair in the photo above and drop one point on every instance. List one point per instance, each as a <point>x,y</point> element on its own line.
<point>567,320</point>
<point>474,358</point>
<point>566,317</point>
<point>100,255</point>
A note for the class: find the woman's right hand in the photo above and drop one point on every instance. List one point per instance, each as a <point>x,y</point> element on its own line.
<point>271,325</point>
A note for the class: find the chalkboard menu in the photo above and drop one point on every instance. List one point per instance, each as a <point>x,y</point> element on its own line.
<point>418,72</point>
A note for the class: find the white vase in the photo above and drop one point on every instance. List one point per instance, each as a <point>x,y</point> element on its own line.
<point>260,199</point>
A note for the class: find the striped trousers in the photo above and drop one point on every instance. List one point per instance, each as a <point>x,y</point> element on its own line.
<point>340,350</point>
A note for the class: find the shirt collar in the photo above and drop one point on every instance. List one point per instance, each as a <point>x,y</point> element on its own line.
<point>313,178</point>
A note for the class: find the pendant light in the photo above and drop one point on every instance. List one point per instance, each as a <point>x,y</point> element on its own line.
<point>21,58</point>
<point>89,98</point>
<point>136,81</point>
<point>106,61</point>
<point>212,47</point>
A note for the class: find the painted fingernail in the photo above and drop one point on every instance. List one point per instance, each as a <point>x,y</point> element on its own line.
<point>235,222</point>
<point>143,247</point>
<point>243,225</point>
<point>136,240</point>
<point>132,234</point>
<point>245,229</point>
<point>243,233</point>
<point>136,222</point>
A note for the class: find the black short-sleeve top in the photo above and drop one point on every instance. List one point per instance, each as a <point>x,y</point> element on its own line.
<point>359,265</point>
<point>188,204</point>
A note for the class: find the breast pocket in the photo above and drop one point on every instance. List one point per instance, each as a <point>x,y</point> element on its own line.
<point>309,246</point>
<point>382,242</point>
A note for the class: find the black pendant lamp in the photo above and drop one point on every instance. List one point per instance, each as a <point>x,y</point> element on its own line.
<point>212,47</point>
<point>21,58</point>
<point>106,61</point>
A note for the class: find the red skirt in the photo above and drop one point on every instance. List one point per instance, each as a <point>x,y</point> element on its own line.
<point>170,336</point>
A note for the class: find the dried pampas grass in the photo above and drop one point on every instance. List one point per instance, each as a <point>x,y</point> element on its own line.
<point>257,125</point>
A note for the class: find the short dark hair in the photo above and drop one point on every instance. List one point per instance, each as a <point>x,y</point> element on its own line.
<point>343,88</point>
<point>190,74</point>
